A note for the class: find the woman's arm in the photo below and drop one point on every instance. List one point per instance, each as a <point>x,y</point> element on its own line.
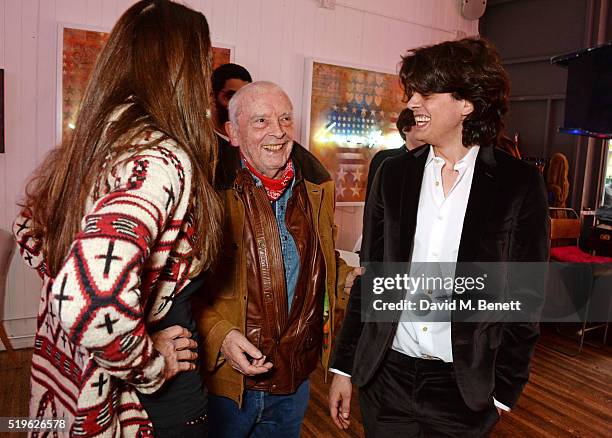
<point>96,293</point>
<point>30,247</point>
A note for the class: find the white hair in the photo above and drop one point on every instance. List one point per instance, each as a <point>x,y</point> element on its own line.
<point>234,107</point>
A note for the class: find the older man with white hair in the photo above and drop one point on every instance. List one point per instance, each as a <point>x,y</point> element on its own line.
<point>267,315</point>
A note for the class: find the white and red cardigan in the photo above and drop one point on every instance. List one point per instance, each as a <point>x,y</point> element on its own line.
<point>128,262</point>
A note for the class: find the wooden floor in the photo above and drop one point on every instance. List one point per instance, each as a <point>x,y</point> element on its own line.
<point>566,397</point>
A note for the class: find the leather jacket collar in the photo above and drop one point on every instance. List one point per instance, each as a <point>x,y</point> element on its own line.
<point>228,166</point>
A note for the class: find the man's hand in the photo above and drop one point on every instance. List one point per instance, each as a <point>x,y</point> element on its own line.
<point>175,344</point>
<point>340,400</point>
<point>236,347</point>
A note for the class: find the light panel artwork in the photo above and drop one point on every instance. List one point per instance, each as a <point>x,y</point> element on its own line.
<point>352,116</point>
<point>80,50</point>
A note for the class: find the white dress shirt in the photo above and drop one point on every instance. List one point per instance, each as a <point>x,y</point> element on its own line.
<point>437,238</point>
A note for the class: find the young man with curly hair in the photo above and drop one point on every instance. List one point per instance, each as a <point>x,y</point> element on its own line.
<point>459,200</point>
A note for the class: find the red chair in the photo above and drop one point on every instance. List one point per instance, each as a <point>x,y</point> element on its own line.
<point>564,229</point>
<point>564,238</point>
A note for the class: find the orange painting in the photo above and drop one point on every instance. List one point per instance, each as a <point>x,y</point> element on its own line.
<point>352,116</point>
<point>80,51</point>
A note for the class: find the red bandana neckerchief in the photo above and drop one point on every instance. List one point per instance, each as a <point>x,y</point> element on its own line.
<point>274,187</point>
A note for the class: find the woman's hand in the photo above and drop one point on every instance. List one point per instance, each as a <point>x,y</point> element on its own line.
<point>175,344</point>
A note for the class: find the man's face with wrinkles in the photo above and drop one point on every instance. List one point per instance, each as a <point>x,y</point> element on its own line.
<point>265,130</point>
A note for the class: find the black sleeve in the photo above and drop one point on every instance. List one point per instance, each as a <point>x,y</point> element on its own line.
<point>377,160</point>
<point>529,243</point>
<point>372,249</point>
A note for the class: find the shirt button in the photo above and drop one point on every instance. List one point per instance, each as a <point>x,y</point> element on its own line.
<point>425,328</point>
<point>429,291</point>
<point>437,183</point>
<point>440,218</point>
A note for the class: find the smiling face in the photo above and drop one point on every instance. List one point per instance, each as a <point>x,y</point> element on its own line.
<point>264,129</point>
<point>439,118</point>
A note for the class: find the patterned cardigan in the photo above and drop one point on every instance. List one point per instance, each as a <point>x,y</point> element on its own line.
<point>125,266</point>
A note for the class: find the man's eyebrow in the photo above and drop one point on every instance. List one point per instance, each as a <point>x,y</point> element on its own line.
<point>265,116</point>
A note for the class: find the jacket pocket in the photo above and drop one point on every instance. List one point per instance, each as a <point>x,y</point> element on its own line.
<point>306,356</point>
<point>313,336</point>
<point>253,334</point>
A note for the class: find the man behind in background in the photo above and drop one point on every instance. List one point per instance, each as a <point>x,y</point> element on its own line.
<point>226,80</point>
<point>404,124</point>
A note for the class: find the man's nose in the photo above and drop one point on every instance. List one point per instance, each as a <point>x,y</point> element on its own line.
<point>415,101</point>
<point>276,129</point>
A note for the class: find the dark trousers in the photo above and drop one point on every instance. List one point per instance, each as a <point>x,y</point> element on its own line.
<point>411,397</point>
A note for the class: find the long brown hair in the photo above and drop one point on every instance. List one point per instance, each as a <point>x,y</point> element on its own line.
<point>156,64</point>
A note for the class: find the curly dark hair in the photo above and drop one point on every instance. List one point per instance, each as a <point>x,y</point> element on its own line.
<point>469,69</point>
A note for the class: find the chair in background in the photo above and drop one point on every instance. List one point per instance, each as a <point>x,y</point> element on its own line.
<point>565,237</point>
<point>7,249</point>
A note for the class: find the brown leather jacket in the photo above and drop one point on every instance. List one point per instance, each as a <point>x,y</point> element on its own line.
<point>247,290</point>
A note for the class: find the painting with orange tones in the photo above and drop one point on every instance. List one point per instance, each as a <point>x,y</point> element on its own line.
<point>80,48</point>
<point>353,112</point>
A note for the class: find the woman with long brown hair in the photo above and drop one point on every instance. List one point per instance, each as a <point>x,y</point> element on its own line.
<point>119,221</point>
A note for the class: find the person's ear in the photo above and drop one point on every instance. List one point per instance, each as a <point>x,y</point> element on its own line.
<point>232,133</point>
<point>467,108</point>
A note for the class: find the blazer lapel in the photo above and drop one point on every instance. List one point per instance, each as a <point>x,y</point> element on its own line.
<point>409,204</point>
<point>484,186</point>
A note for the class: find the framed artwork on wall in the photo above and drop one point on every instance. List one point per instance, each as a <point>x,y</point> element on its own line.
<point>351,113</point>
<point>78,49</point>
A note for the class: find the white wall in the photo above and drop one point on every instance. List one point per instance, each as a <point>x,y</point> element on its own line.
<point>271,38</point>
